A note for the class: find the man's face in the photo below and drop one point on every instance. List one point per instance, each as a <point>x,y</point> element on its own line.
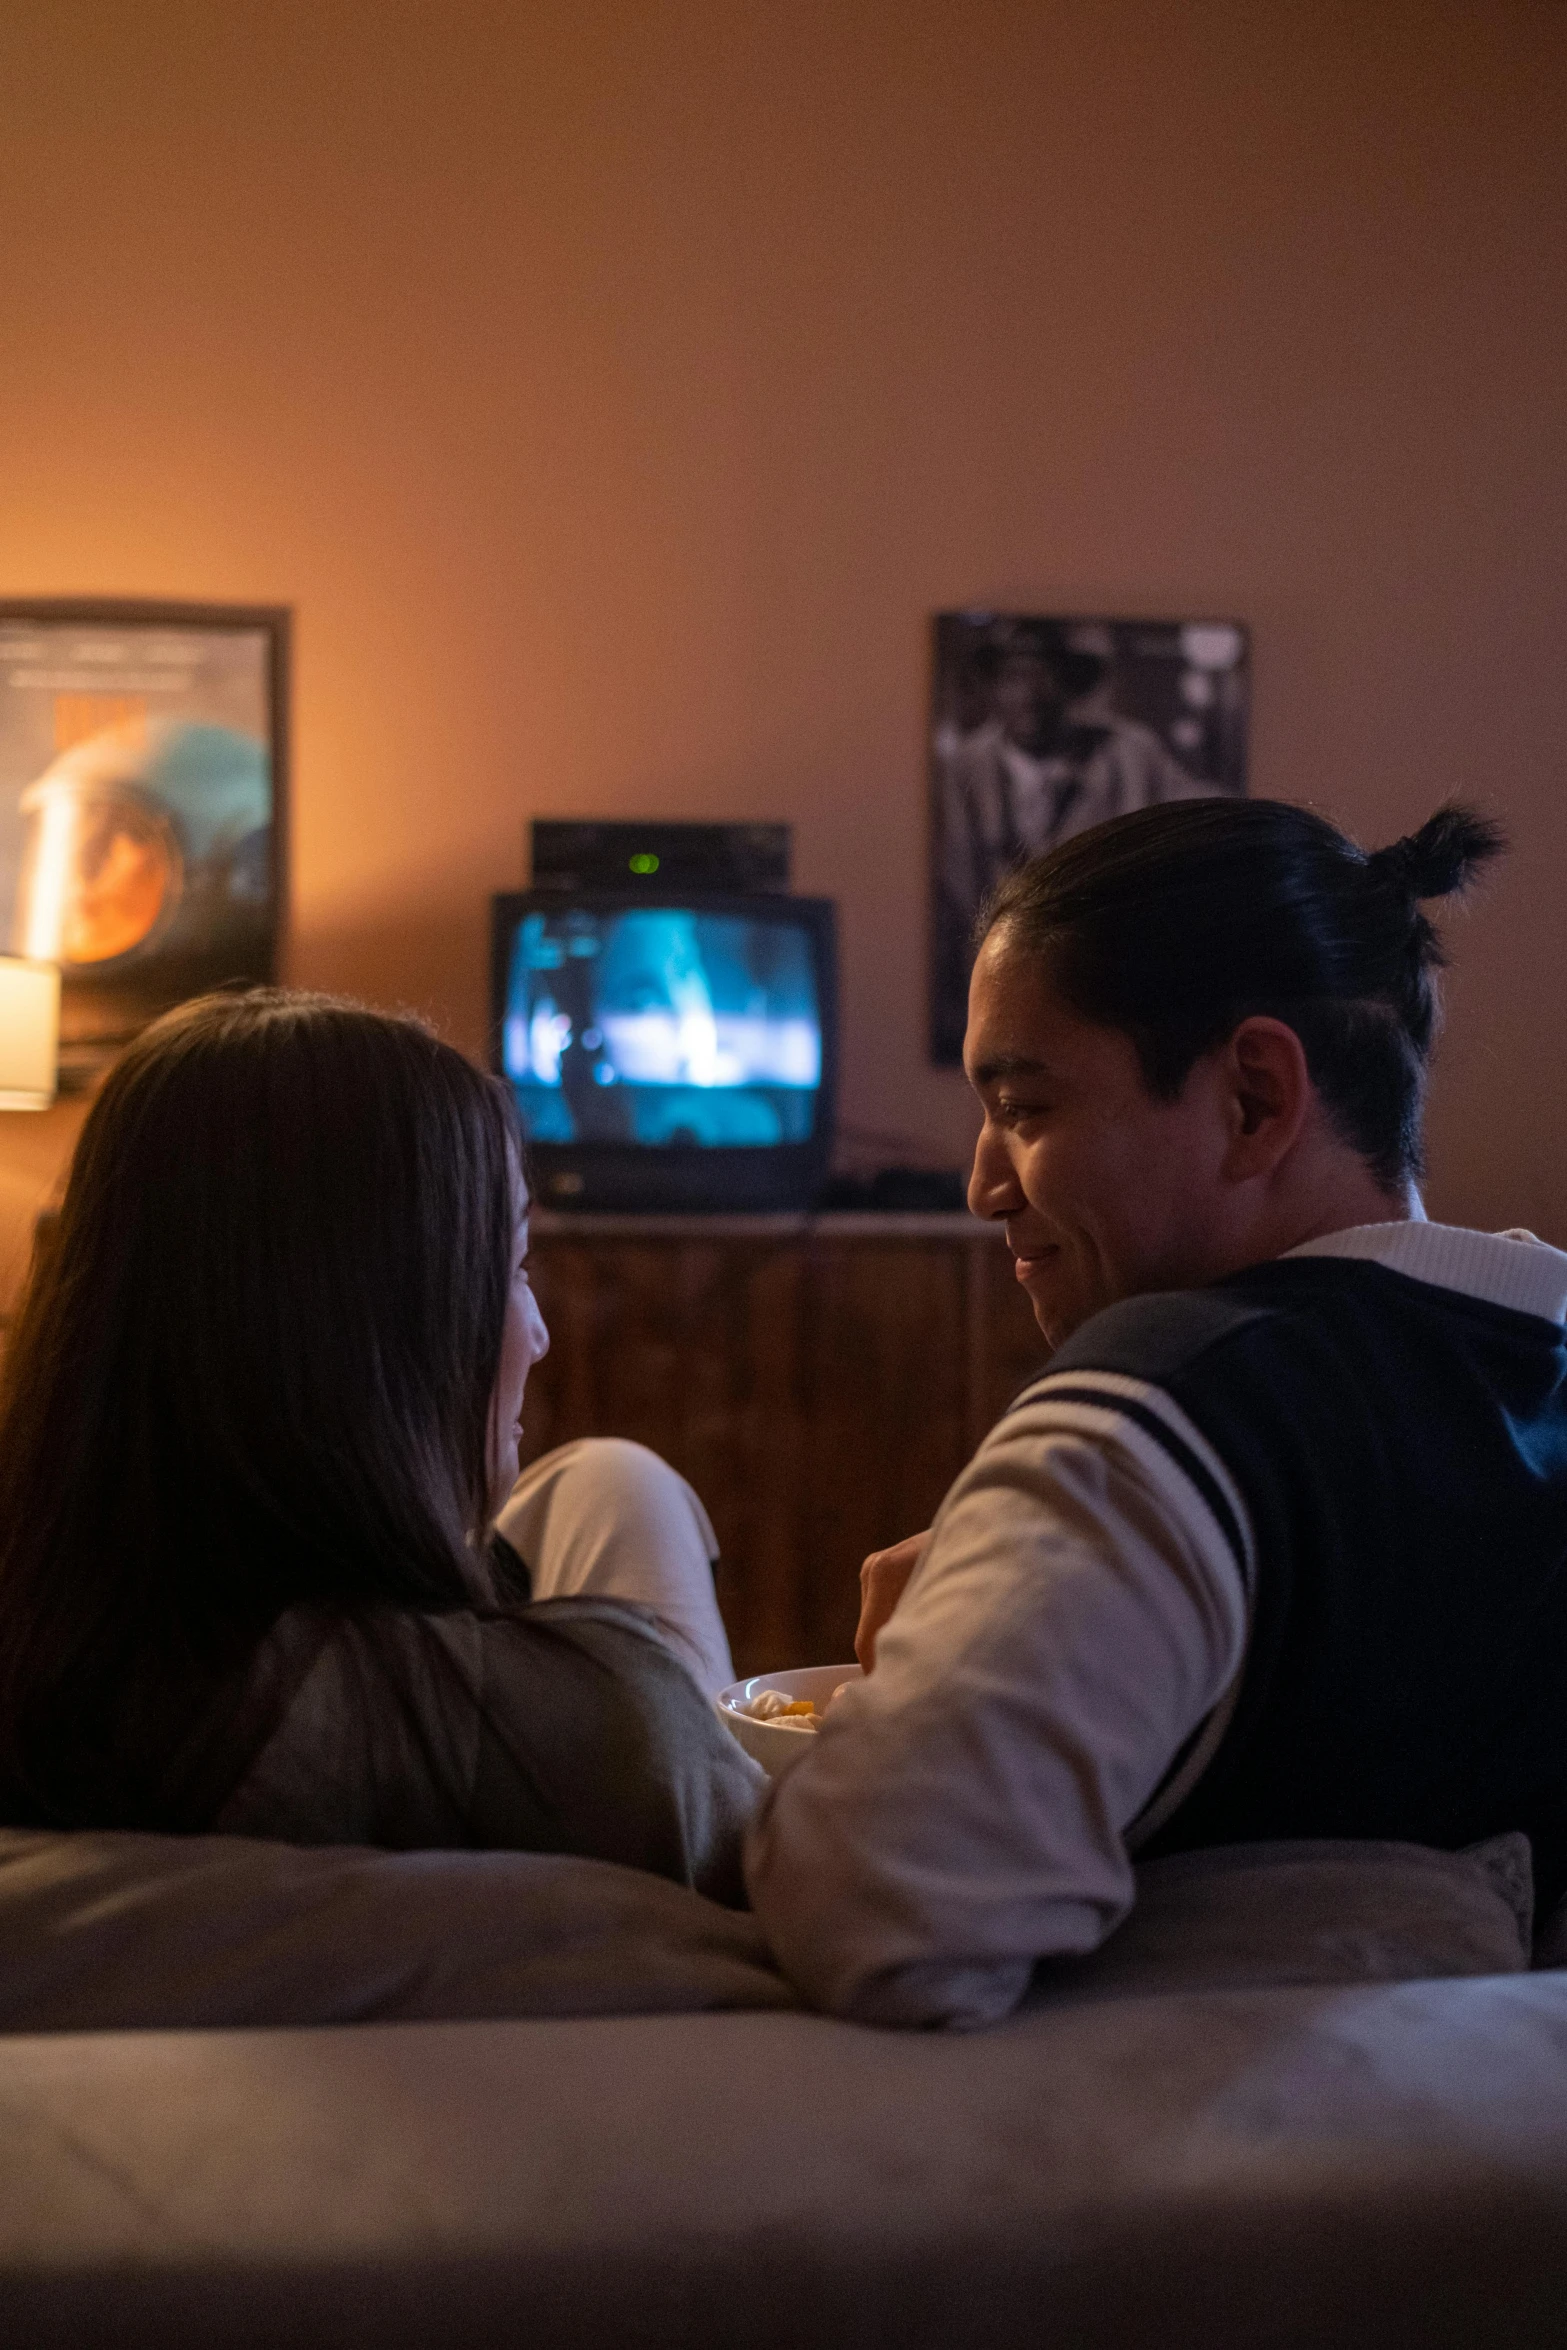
<point>1029,700</point>
<point>1105,1191</point>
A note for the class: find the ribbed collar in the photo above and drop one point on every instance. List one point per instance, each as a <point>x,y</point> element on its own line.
<point>1502,1268</point>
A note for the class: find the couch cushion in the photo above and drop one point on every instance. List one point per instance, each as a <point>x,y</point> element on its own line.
<point>1243,1916</point>
<point>101,1930</point>
<point>1323,2169</point>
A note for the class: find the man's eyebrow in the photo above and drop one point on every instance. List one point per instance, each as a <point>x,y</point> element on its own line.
<point>1006,1065</point>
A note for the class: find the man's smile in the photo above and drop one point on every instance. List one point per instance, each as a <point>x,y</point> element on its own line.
<point>1029,1255</point>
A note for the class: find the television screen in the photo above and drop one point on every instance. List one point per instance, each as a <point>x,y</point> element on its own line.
<point>628,1031</point>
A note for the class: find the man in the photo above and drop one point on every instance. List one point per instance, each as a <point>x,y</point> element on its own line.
<point>1275,1546</point>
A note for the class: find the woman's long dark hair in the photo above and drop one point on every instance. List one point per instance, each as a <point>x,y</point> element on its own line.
<point>253,1369</point>
<point>1177,923</point>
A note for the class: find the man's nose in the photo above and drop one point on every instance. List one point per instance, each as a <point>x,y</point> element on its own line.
<point>992,1184</point>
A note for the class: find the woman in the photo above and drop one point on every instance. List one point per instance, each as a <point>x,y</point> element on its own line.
<point>260,1408</point>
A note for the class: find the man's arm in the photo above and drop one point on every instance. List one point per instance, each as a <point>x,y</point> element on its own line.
<point>1078,1611</point>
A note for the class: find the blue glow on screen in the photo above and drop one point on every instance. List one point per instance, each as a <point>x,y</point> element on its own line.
<point>663,1026</point>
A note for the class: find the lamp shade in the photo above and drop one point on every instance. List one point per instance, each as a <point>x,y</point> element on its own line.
<point>29,1033</point>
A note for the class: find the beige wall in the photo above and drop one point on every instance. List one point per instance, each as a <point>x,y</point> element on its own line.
<point>615,391</point>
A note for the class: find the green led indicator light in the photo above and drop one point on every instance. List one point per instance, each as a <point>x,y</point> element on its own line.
<point>644,862</point>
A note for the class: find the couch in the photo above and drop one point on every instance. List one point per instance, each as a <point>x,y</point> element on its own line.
<point>253,2095</point>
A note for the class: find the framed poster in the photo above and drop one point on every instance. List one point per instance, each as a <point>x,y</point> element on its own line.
<point>1043,725</point>
<point>142,795</point>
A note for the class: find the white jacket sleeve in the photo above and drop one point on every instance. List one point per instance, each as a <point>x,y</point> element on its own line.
<point>1078,1613</point>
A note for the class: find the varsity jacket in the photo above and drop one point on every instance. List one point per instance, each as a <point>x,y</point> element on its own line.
<point>1402,1453</point>
<point>1286,1557</point>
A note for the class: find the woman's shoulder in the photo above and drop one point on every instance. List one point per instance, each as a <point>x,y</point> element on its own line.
<point>375,1742</point>
<point>585,1700</point>
<point>557,1725</point>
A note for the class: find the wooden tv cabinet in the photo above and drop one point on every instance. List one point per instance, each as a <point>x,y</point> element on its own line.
<point>820,1380</point>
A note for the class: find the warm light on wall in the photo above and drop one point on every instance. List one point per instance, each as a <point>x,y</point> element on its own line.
<point>45,893</point>
<point>29,1033</point>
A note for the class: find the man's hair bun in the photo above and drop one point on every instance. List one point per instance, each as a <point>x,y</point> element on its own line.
<point>1176,923</point>
<point>1443,856</point>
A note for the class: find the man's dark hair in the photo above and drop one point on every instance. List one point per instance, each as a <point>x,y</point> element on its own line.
<point>254,1370</point>
<point>1177,923</point>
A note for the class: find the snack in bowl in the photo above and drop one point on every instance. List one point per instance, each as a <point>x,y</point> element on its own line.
<point>768,1713</point>
<point>771,1705</point>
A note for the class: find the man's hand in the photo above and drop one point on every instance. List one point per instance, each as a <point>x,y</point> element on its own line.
<point>882,1581</point>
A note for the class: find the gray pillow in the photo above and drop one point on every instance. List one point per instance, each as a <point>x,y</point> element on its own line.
<point>100,1931</point>
<point>1247,1916</point>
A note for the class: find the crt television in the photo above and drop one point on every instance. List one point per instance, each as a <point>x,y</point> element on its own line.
<point>676,1052</point>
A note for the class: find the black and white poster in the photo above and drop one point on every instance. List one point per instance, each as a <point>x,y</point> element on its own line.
<point>1043,725</point>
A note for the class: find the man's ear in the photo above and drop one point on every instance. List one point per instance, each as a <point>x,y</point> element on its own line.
<point>1270,1095</point>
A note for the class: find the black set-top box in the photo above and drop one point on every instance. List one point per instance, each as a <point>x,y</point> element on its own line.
<point>666,1015</point>
<point>720,858</point>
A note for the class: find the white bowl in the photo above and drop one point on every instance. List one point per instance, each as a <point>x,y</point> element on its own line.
<point>774,1747</point>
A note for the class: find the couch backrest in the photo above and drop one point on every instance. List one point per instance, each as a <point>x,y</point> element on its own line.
<point>103,1930</point>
